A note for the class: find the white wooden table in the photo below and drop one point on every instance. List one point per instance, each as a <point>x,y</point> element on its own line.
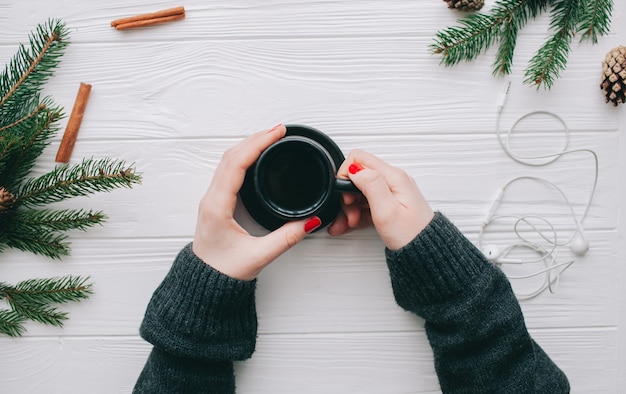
<point>172,98</point>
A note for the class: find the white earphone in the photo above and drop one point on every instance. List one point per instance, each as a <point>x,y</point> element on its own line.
<point>579,244</point>
<point>547,249</point>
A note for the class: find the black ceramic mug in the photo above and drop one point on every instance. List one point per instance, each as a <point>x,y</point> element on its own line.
<point>296,178</point>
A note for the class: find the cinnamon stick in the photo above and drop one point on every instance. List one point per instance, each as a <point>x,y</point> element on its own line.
<point>149,22</point>
<point>168,15</point>
<point>73,124</point>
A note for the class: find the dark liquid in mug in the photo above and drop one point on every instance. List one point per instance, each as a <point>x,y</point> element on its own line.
<point>296,179</point>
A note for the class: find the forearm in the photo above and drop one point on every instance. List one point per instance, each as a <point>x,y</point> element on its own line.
<point>199,320</point>
<point>473,320</point>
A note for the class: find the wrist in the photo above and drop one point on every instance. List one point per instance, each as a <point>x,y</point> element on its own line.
<point>408,233</point>
<point>195,306</point>
<point>437,265</point>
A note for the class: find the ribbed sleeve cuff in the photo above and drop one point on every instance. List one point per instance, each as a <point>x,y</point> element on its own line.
<point>437,266</point>
<point>199,312</point>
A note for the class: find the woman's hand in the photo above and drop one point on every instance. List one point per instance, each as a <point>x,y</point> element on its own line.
<point>219,240</point>
<point>391,201</point>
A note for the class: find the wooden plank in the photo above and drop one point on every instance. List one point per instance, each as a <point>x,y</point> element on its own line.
<point>322,285</point>
<point>459,175</point>
<point>367,362</point>
<point>352,86</point>
<point>173,97</point>
<point>274,18</point>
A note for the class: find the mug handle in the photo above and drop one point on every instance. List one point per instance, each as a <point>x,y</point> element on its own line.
<point>346,186</point>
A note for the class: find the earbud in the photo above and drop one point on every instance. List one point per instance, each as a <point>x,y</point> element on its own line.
<point>579,244</point>
<point>493,252</point>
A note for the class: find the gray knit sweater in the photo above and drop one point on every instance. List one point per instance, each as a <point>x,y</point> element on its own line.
<point>200,321</point>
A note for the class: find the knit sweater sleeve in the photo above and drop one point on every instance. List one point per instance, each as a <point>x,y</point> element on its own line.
<point>199,320</point>
<point>473,321</point>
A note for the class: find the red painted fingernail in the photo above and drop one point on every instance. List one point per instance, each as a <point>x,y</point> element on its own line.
<point>354,168</point>
<point>274,128</point>
<point>312,224</point>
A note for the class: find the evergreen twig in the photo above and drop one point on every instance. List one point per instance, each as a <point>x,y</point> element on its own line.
<point>58,220</point>
<point>88,177</point>
<point>478,32</point>
<point>34,299</point>
<point>595,19</point>
<point>551,58</point>
<point>11,323</point>
<point>29,69</point>
<point>47,243</point>
<point>28,138</point>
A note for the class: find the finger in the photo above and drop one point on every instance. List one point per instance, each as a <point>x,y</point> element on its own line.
<point>374,187</point>
<point>339,226</point>
<point>231,171</point>
<point>348,198</point>
<point>353,215</point>
<point>366,160</point>
<point>274,244</point>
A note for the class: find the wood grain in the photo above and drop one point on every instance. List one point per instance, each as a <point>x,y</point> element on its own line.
<point>367,363</point>
<point>172,98</point>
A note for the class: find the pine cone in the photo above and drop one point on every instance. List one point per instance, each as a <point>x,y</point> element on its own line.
<point>614,76</point>
<point>6,199</point>
<point>465,5</point>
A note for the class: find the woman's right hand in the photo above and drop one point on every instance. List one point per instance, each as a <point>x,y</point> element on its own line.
<point>391,201</point>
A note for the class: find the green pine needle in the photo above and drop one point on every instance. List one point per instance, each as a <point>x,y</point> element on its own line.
<point>11,323</point>
<point>88,177</point>
<point>504,56</point>
<point>34,299</point>
<point>475,35</point>
<point>42,231</point>
<point>595,19</point>
<point>25,141</point>
<point>57,220</point>
<point>478,32</point>
<point>551,58</point>
<point>43,242</point>
<point>24,76</point>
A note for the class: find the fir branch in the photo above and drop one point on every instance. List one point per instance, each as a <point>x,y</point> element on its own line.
<point>514,20</point>
<point>40,313</point>
<point>57,220</point>
<point>11,323</point>
<point>82,179</point>
<point>506,50</point>
<point>28,139</point>
<point>551,58</point>
<point>477,32</point>
<point>39,108</point>
<point>595,19</point>
<point>43,242</point>
<point>33,299</point>
<point>29,69</point>
<point>58,290</point>
<point>41,232</point>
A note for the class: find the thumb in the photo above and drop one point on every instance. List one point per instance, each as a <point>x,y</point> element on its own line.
<point>285,237</point>
<point>374,187</point>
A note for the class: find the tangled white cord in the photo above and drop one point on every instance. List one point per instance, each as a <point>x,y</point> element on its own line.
<point>549,246</point>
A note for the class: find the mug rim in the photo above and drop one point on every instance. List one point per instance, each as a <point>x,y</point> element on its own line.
<point>328,170</point>
<point>261,215</point>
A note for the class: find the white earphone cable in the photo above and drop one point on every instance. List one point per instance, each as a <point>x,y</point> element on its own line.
<point>549,251</point>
